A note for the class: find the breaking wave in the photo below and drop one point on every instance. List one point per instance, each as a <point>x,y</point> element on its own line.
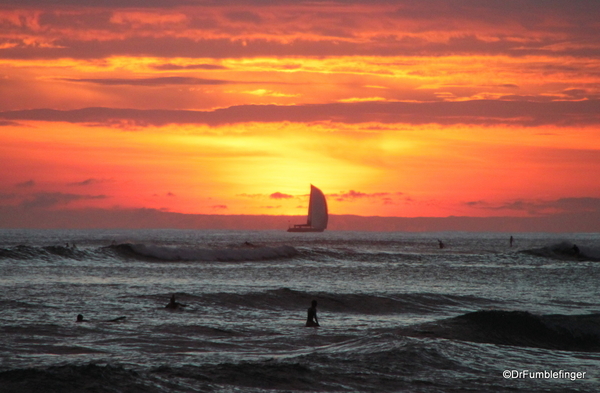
<point>519,328</point>
<point>245,252</point>
<point>250,253</point>
<point>44,253</point>
<point>566,250</point>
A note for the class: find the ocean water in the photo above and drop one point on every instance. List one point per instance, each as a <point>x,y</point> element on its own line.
<point>397,313</point>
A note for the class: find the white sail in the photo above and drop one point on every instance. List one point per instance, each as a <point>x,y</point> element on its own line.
<point>317,209</point>
<point>317,213</point>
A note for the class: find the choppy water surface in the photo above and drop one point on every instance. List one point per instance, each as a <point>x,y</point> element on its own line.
<point>397,313</point>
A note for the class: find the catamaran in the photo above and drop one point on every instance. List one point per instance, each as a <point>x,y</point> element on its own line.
<point>317,213</point>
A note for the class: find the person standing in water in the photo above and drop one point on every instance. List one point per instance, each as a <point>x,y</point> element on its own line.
<point>311,319</point>
<point>511,241</point>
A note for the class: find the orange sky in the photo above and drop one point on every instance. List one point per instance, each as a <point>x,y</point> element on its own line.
<point>438,108</point>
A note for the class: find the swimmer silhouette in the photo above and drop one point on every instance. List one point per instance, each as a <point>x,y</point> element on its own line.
<point>441,244</point>
<point>80,318</point>
<point>311,319</point>
<point>173,304</point>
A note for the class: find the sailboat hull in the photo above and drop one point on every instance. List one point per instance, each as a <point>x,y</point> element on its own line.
<point>305,229</point>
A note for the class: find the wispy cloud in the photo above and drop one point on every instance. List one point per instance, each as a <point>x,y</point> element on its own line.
<point>352,195</point>
<point>180,67</point>
<point>87,182</point>
<point>26,184</point>
<point>244,16</point>
<point>269,93</point>
<point>158,81</point>
<point>541,207</point>
<point>362,99</point>
<point>279,195</point>
<point>52,199</point>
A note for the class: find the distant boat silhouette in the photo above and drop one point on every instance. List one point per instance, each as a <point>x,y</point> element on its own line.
<point>317,213</point>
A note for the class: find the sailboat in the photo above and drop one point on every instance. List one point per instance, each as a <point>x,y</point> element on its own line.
<point>317,213</point>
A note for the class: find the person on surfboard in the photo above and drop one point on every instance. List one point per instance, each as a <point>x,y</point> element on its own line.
<point>80,319</point>
<point>311,319</point>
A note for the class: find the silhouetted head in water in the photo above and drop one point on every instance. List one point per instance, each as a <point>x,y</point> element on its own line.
<point>173,304</point>
<point>80,318</point>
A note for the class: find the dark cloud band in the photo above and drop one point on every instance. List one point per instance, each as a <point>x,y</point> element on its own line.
<point>480,112</point>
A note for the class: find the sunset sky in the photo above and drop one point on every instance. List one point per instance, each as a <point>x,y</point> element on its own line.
<point>393,108</point>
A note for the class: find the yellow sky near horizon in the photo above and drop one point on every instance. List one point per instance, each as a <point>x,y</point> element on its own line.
<point>392,110</point>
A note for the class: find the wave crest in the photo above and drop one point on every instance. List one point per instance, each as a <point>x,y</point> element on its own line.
<point>520,328</point>
<point>245,252</point>
<point>566,250</point>
<point>166,253</point>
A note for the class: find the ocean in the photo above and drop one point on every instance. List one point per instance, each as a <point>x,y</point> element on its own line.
<point>397,313</point>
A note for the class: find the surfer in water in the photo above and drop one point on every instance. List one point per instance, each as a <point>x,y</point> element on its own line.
<point>311,319</point>
<point>511,241</point>
<point>441,243</point>
<point>80,319</point>
<point>173,305</point>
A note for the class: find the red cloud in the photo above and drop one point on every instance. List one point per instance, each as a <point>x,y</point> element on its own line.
<point>278,195</point>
